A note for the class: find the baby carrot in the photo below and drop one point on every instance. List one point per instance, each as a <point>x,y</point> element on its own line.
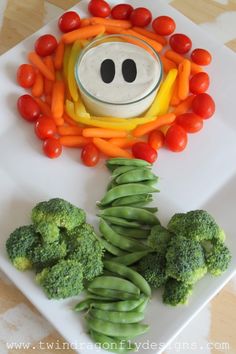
<point>109,149</point>
<point>156,139</point>
<point>150,34</point>
<point>184,106</point>
<point>48,99</point>
<point>175,98</point>
<point>35,59</point>
<point>148,127</point>
<point>38,86</point>
<point>48,84</point>
<point>44,107</point>
<point>103,133</point>
<point>74,141</point>
<point>59,55</point>
<point>184,71</point>
<point>84,22</point>
<point>177,58</point>
<point>57,106</point>
<point>110,22</point>
<point>167,64</point>
<point>124,143</point>
<point>155,45</point>
<point>68,120</point>
<point>82,33</point>
<point>69,130</point>
<point>113,29</point>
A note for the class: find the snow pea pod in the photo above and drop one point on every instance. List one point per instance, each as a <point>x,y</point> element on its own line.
<point>134,233</point>
<point>111,184</point>
<point>114,283</point>
<point>112,344</point>
<point>122,169</point>
<point>131,199</point>
<point>130,213</point>
<point>113,294</point>
<point>142,306</point>
<point>127,162</point>
<point>126,305</point>
<point>116,316</point>
<point>120,222</point>
<point>130,258</point>
<point>125,190</point>
<point>112,249</point>
<point>134,176</point>
<point>83,305</point>
<point>150,209</point>
<point>151,182</point>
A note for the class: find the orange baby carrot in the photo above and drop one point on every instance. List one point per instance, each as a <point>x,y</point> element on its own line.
<point>84,22</point>
<point>74,141</point>
<point>44,107</point>
<point>150,34</point>
<point>38,86</point>
<point>59,55</point>
<point>148,127</point>
<point>124,143</point>
<point>68,120</point>
<point>175,98</point>
<point>109,149</point>
<point>177,58</point>
<point>184,71</point>
<point>48,84</point>
<point>167,64</point>
<point>48,99</point>
<point>69,130</point>
<point>103,133</point>
<point>57,106</point>
<point>156,139</point>
<point>113,29</point>
<point>184,106</point>
<point>155,45</point>
<point>110,22</point>
<point>82,33</point>
<point>35,59</point>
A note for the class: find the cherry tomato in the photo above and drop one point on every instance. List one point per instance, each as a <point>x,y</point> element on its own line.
<point>45,128</point>
<point>190,122</point>
<point>45,45</point>
<point>201,56</point>
<point>69,21</point>
<point>156,139</point>
<point>25,75</point>
<point>122,11</point>
<point>145,152</point>
<point>176,138</point>
<point>203,105</point>
<point>141,17</point>
<point>164,25</point>
<point>90,155</point>
<point>180,43</point>
<point>52,148</point>
<point>28,108</point>
<point>99,8</point>
<point>199,83</point>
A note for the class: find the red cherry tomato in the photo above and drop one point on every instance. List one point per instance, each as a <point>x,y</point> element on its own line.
<point>176,138</point>
<point>25,75</point>
<point>52,148</point>
<point>141,17</point>
<point>180,43</point>
<point>201,56</point>
<point>99,8</point>
<point>156,139</point>
<point>90,155</point>
<point>122,11</point>
<point>28,108</point>
<point>190,122</point>
<point>203,105</point>
<point>69,21</point>
<point>145,152</point>
<point>199,83</point>
<point>45,128</point>
<point>164,25</point>
<point>45,45</point>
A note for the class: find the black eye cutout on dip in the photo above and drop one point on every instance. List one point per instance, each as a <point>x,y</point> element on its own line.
<point>108,71</point>
<point>129,70</point>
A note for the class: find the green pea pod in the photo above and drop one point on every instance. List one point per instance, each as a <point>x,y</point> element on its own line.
<point>131,199</point>
<point>130,213</point>
<point>134,233</point>
<point>111,184</point>
<point>142,306</point>
<point>127,162</point>
<point>120,222</point>
<point>150,209</point>
<point>113,294</point>
<point>116,316</point>
<point>114,283</point>
<point>83,305</point>
<point>122,169</point>
<point>130,274</point>
<point>134,176</point>
<point>113,345</point>
<point>131,258</point>
<point>139,205</point>
<point>116,329</point>
<point>121,306</point>
<point>112,249</point>
<point>151,182</point>
<point>120,241</point>
<point>97,297</point>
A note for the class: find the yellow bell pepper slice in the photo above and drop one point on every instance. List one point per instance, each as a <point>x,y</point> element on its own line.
<point>80,109</point>
<point>72,85</point>
<point>161,103</point>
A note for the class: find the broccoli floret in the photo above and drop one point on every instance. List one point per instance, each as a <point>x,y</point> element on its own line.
<point>20,245</point>
<point>85,246</point>
<point>159,239</point>
<point>196,225</point>
<point>217,256</point>
<point>64,279</point>
<point>185,260</point>
<point>48,231</point>
<point>47,254</point>
<point>152,268</point>
<point>58,212</point>
<point>176,292</point>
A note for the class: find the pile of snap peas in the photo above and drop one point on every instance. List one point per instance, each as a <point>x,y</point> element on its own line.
<point>116,301</point>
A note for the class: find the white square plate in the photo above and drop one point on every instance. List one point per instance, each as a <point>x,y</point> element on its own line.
<point>203,176</point>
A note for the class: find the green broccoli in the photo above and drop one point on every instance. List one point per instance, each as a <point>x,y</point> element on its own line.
<point>64,279</point>
<point>217,257</point>
<point>152,268</point>
<point>85,246</point>
<point>185,260</point>
<point>19,246</point>
<point>47,254</point>
<point>159,239</point>
<point>176,292</point>
<point>58,212</point>
<point>48,231</point>
<point>196,225</point>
